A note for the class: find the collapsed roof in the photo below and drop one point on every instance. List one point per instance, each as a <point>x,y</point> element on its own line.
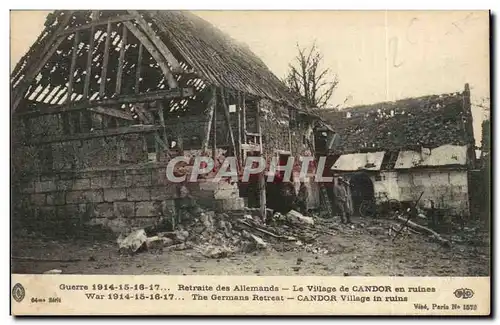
<point>428,121</point>
<point>193,53</point>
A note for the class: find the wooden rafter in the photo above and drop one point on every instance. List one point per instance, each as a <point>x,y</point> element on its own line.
<point>88,69</point>
<point>244,117</point>
<point>124,99</point>
<point>47,94</point>
<point>20,91</point>
<point>32,88</point>
<point>138,70</point>
<point>60,95</point>
<point>121,60</point>
<point>250,147</point>
<point>31,72</point>
<point>112,112</point>
<point>172,82</point>
<point>208,127</point>
<point>214,125</point>
<point>48,44</point>
<point>59,89</point>
<point>162,120</point>
<point>164,50</point>
<point>138,128</point>
<point>111,20</point>
<point>74,80</point>
<point>104,70</point>
<point>238,114</point>
<point>73,65</point>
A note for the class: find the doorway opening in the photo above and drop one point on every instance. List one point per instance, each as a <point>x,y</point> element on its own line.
<point>361,190</point>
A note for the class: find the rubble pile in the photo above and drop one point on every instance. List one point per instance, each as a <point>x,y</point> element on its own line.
<point>429,120</point>
<point>219,235</point>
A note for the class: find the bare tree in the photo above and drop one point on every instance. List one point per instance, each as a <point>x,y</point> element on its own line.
<point>308,80</point>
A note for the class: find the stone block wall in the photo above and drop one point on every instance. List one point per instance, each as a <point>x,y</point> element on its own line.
<point>63,176</point>
<point>221,196</point>
<point>119,199</point>
<point>280,134</point>
<point>115,198</point>
<point>274,121</point>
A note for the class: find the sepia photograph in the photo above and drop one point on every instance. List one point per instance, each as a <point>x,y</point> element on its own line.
<point>251,143</point>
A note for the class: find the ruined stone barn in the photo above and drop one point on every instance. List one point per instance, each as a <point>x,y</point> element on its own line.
<point>104,99</point>
<point>397,150</point>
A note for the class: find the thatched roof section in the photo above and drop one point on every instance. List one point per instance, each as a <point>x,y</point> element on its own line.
<point>428,121</point>
<point>220,59</point>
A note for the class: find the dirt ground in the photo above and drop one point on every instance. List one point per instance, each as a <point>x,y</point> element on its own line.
<point>361,249</point>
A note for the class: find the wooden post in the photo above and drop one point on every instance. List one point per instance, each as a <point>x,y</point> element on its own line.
<point>162,122</point>
<point>104,70</point>
<point>244,120</point>
<point>208,127</point>
<point>180,140</point>
<point>32,89</point>
<point>238,114</point>
<point>138,69</point>
<point>228,121</point>
<point>121,60</point>
<point>73,65</point>
<point>259,131</point>
<point>262,179</point>
<point>214,125</point>
<point>157,145</point>
<point>89,61</point>
<point>262,191</point>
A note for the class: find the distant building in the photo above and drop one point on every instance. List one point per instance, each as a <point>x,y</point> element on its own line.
<point>407,147</point>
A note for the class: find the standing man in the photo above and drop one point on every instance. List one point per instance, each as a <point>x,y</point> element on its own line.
<point>342,200</point>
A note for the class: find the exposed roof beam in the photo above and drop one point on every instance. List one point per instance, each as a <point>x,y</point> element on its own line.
<point>138,128</point>
<point>99,22</point>
<point>172,82</point>
<point>121,61</point>
<point>164,50</point>
<point>43,57</point>
<point>125,99</point>
<point>121,114</point>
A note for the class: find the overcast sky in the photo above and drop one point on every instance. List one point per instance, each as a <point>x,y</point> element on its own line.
<point>377,55</point>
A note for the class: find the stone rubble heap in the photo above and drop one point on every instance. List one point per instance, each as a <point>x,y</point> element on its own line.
<point>219,235</point>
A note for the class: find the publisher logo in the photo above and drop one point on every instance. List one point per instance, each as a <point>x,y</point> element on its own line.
<point>464,293</point>
<point>18,292</point>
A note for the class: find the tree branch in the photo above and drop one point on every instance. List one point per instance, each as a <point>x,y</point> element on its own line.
<point>315,86</point>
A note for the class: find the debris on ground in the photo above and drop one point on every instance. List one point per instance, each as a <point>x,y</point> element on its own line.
<point>219,235</point>
<point>54,271</point>
<point>298,218</point>
<point>133,242</point>
<point>212,251</point>
<point>412,225</point>
<point>157,242</point>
